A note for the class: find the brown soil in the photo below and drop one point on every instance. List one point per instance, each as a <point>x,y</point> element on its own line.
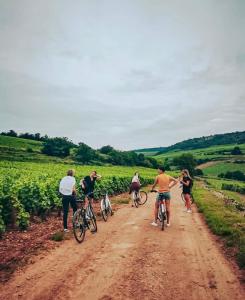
<point>130,259</point>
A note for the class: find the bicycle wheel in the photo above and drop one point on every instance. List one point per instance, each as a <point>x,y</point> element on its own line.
<point>162,219</point>
<point>78,226</point>
<point>142,197</point>
<point>92,224</point>
<point>104,210</point>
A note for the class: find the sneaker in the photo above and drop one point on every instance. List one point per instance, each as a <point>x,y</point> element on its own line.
<point>168,224</point>
<point>154,223</point>
<point>189,211</point>
<point>66,230</point>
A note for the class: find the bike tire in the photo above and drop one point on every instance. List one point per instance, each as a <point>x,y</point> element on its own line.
<point>111,212</point>
<point>162,217</point>
<point>143,198</point>
<point>136,203</point>
<point>92,224</point>
<point>78,226</point>
<point>104,211</point>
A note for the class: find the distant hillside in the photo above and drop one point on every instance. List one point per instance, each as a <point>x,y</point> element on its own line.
<point>199,143</point>
<point>62,150</point>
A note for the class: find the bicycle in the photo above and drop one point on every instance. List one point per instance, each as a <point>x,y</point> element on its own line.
<point>183,198</point>
<point>84,219</point>
<point>139,198</point>
<point>105,206</point>
<point>162,213</point>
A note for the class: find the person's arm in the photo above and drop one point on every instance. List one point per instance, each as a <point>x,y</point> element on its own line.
<point>155,183</point>
<point>173,181</point>
<point>187,183</point>
<point>74,191</point>
<point>98,177</point>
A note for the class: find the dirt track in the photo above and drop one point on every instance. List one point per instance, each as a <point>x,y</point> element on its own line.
<point>130,259</point>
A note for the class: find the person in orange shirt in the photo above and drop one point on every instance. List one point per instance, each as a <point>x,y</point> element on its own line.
<point>165,183</point>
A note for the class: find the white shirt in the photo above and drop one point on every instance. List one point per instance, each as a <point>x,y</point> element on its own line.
<point>135,179</point>
<point>66,185</point>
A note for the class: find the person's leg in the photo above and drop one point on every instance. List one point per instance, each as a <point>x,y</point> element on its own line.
<point>132,197</point>
<point>188,201</point>
<point>73,204</point>
<point>156,210</point>
<point>65,203</point>
<point>167,203</point>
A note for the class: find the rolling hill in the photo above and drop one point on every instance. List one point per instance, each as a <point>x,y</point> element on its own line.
<point>198,143</point>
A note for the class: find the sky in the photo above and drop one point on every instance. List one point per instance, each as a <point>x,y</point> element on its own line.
<point>131,73</point>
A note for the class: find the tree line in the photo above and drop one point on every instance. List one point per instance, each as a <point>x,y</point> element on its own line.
<point>26,135</point>
<point>62,147</point>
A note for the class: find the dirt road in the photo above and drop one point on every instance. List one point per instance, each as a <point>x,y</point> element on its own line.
<point>130,259</point>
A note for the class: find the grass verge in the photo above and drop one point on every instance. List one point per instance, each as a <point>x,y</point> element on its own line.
<point>223,221</point>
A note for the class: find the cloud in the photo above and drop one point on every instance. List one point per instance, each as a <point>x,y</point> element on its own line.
<point>149,73</point>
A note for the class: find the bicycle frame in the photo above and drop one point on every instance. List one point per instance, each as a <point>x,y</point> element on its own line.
<point>105,206</point>
<point>162,212</point>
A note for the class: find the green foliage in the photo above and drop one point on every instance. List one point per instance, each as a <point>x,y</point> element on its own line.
<point>85,154</point>
<point>223,220</point>
<point>19,144</point>
<point>224,167</point>
<point>106,149</point>
<point>32,188</point>
<point>233,187</point>
<point>198,172</point>
<point>207,141</point>
<point>236,151</point>
<point>57,147</point>
<point>185,161</point>
<point>236,175</point>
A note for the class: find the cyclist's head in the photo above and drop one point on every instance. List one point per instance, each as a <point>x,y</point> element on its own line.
<point>185,172</point>
<point>136,174</point>
<point>94,174</point>
<point>161,169</point>
<point>71,172</point>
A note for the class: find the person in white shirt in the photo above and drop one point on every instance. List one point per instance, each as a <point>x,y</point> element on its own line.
<point>67,189</point>
<point>135,186</point>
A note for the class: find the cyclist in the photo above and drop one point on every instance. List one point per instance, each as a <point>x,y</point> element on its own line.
<point>187,183</point>
<point>165,183</point>
<point>88,184</point>
<point>134,186</point>
<point>67,189</point>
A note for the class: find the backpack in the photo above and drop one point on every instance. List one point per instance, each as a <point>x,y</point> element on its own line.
<point>83,184</point>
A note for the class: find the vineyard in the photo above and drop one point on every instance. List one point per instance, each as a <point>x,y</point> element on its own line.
<point>29,189</point>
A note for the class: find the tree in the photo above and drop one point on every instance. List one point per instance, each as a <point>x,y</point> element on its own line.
<point>236,151</point>
<point>84,153</point>
<point>57,147</point>
<point>185,161</point>
<point>10,133</point>
<point>141,157</point>
<point>106,149</point>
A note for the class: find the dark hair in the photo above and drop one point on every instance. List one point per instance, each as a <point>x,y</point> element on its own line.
<point>70,173</point>
<point>161,168</point>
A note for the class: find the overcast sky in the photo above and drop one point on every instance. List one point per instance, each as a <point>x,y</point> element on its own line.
<point>129,73</point>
